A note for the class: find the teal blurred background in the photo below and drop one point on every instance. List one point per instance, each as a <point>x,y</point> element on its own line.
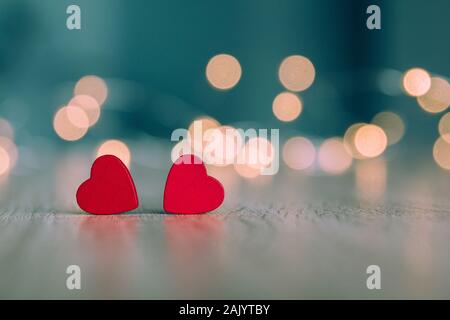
<point>156,51</point>
<point>152,56</point>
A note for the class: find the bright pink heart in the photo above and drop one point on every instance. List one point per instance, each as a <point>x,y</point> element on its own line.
<point>109,190</point>
<point>189,189</point>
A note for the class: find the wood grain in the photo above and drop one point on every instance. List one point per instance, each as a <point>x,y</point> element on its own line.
<point>294,237</point>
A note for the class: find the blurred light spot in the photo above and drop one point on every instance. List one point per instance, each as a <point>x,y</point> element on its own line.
<point>77,117</point>
<point>296,73</point>
<point>349,140</point>
<point>371,178</point>
<point>223,71</point>
<point>392,125</point>
<point>116,148</point>
<point>4,161</point>
<point>89,105</point>
<point>441,153</point>
<point>437,99</point>
<point>444,127</point>
<point>287,106</point>
<point>10,147</point>
<point>6,129</point>
<point>92,86</point>
<point>416,82</point>
<point>389,82</point>
<point>223,145</point>
<point>333,158</point>
<point>370,140</point>
<point>257,153</point>
<point>246,171</point>
<point>299,153</point>
<point>70,123</point>
<point>197,130</point>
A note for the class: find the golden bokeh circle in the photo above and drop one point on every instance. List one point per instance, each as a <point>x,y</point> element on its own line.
<point>89,105</point>
<point>370,140</point>
<point>116,148</point>
<point>296,73</point>
<point>223,144</point>
<point>444,127</point>
<point>437,98</point>
<point>10,147</point>
<point>299,153</point>
<point>93,86</point>
<point>441,153</point>
<point>392,124</point>
<point>287,106</point>
<point>70,123</point>
<point>246,171</point>
<point>416,82</point>
<point>197,132</point>
<point>349,140</point>
<point>5,161</point>
<point>223,71</point>
<point>333,157</point>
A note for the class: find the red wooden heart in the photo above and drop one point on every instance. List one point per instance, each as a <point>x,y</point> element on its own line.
<point>189,190</point>
<point>109,190</point>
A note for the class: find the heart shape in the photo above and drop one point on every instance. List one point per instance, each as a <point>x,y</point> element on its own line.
<point>189,189</point>
<point>110,188</point>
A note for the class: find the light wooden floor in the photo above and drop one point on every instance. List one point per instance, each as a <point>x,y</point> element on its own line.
<point>292,236</point>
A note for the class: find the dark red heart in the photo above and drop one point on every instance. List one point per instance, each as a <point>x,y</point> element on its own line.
<point>189,189</point>
<point>109,190</point>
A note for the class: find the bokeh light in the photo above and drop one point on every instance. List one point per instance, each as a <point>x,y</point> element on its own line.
<point>223,145</point>
<point>93,86</point>
<point>116,148</point>
<point>333,157</point>
<point>287,106</point>
<point>223,71</point>
<point>197,130</point>
<point>296,73</point>
<point>392,125</point>
<point>370,140</point>
<point>416,82</point>
<point>299,153</point>
<point>4,161</point>
<point>349,140</point>
<point>437,98</point>
<point>257,154</point>
<point>70,123</point>
<point>444,127</point>
<point>246,171</point>
<point>441,153</point>
<point>10,147</point>
<point>89,105</point>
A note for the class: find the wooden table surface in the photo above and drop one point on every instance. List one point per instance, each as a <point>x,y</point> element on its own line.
<point>289,236</point>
